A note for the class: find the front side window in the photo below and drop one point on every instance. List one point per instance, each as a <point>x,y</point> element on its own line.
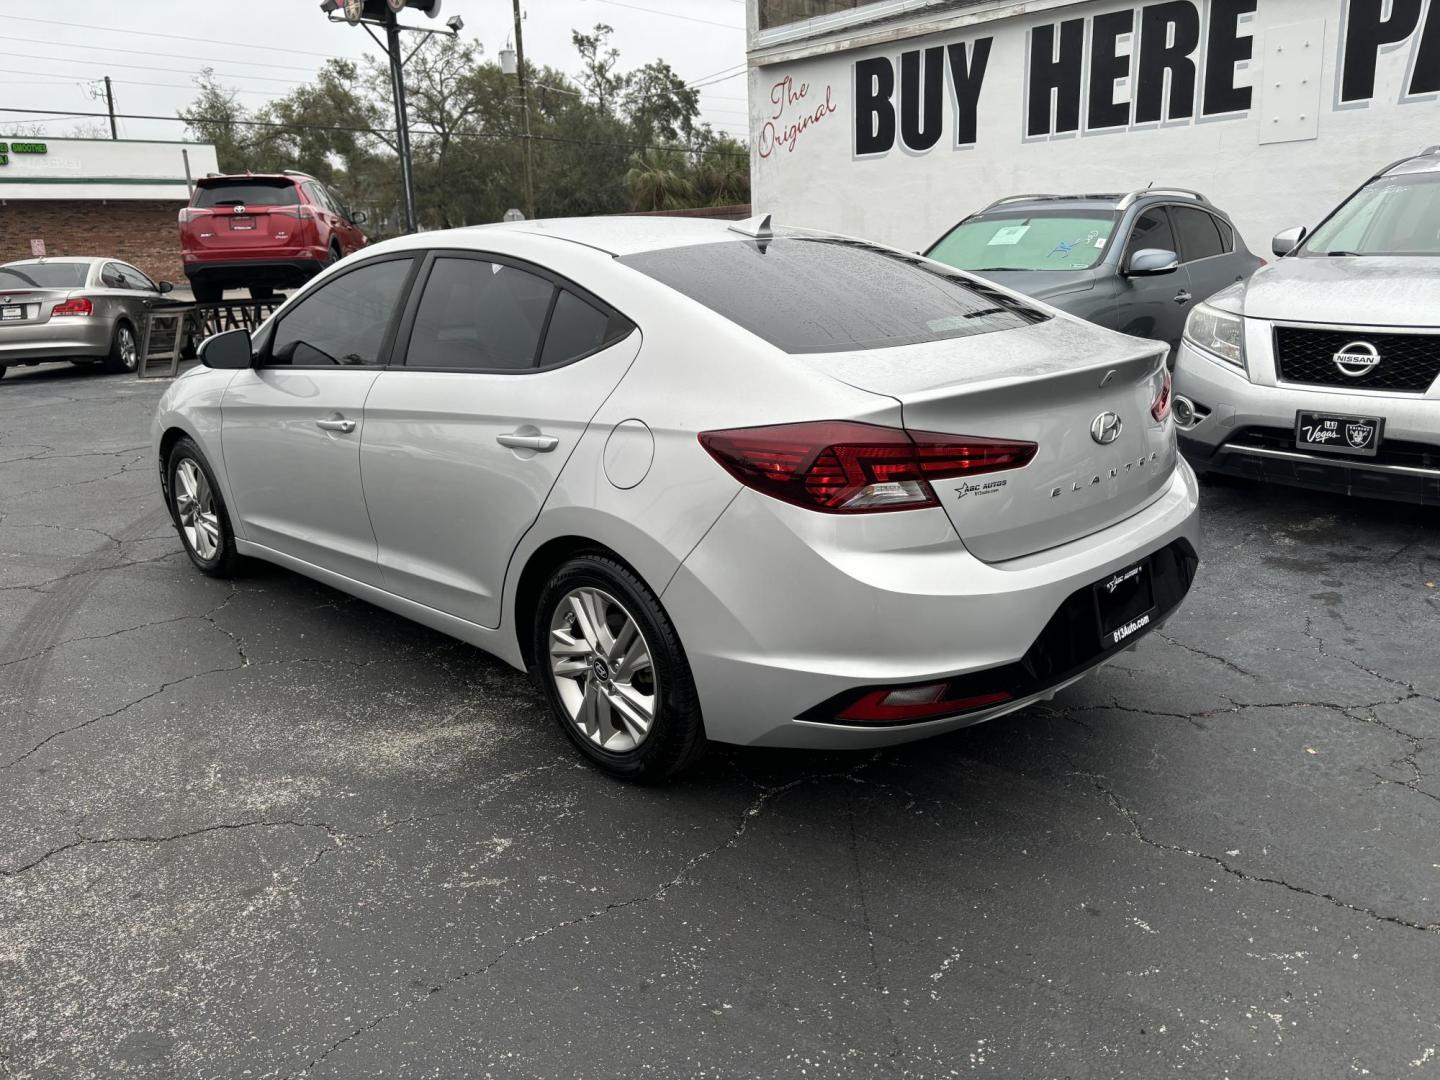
<point>112,278</point>
<point>1393,216</point>
<point>134,279</point>
<point>1026,241</point>
<point>813,295</point>
<point>481,315</point>
<point>343,322</point>
<point>34,275</point>
<point>1151,231</point>
<point>1199,234</point>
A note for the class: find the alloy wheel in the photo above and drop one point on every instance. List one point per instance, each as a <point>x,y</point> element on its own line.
<point>603,670</point>
<point>129,353</point>
<point>195,507</point>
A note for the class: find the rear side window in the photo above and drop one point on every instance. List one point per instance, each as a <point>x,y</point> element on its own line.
<point>811,295</point>
<point>343,322</point>
<point>248,193</point>
<point>1199,234</point>
<point>578,329</point>
<point>479,314</point>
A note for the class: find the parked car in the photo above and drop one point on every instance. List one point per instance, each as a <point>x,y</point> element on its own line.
<point>1135,263</point>
<point>700,498</point>
<point>84,310</point>
<point>1323,370</point>
<point>263,232</point>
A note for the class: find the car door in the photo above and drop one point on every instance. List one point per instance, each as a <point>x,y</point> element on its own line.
<point>1155,306</point>
<point>291,427</point>
<point>352,238</point>
<point>505,364</point>
<point>113,298</point>
<point>142,295</point>
<point>1205,251</point>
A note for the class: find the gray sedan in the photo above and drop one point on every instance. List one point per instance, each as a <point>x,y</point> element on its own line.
<point>83,310</point>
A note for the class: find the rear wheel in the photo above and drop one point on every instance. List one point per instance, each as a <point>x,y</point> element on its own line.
<point>124,350</point>
<point>334,254</point>
<point>614,672</point>
<point>207,294</point>
<point>199,511</point>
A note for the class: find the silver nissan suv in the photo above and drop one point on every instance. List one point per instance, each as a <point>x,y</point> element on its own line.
<point>1323,370</point>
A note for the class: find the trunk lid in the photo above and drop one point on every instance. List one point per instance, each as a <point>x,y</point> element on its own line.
<point>1048,384</point>
<point>35,305</point>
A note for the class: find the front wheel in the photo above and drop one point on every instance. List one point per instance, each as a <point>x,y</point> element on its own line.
<point>199,512</point>
<point>124,350</point>
<point>614,672</point>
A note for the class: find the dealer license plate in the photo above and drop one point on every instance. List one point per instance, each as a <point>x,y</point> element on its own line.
<point>242,224</point>
<point>1124,604</point>
<point>11,314</point>
<point>1336,433</point>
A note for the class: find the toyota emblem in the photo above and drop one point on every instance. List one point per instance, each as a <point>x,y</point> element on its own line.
<point>239,209</point>
<point>1357,359</point>
<point>1105,428</point>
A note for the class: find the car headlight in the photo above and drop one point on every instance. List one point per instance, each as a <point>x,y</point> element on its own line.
<point>1218,333</point>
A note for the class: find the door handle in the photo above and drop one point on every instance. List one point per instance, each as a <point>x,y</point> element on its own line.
<point>345,427</point>
<point>540,443</point>
<point>1182,297</point>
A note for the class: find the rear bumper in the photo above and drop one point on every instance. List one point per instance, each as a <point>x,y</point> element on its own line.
<point>779,617</point>
<point>275,270</point>
<point>1249,432</point>
<point>65,338</point>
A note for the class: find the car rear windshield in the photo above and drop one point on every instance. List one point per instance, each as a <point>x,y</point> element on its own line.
<point>1393,216</point>
<point>1052,240</point>
<point>811,295</point>
<point>43,275</point>
<point>248,193</point>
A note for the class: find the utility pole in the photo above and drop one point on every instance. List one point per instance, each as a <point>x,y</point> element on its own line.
<point>402,122</point>
<point>110,108</point>
<point>525,109</point>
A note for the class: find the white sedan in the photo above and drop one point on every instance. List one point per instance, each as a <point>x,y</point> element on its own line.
<point>731,483</point>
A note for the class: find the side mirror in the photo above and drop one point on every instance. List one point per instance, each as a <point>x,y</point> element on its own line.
<point>359,217</point>
<point>1150,262</point>
<point>1287,241</point>
<point>165,287</point>
<point>230,351</point>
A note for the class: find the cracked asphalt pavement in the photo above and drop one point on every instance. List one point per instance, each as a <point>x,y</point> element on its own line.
<point>260,829</point>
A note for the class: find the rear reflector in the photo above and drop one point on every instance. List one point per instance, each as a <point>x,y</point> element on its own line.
<point>1160,408</point>
<point>915,703</point>
<point>843,467</point>
<point>78,306</point>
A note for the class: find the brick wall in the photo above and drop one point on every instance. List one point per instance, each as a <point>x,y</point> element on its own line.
<point>144,233</point>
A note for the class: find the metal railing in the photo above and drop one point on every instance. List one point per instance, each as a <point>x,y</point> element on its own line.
<point>174,330</point>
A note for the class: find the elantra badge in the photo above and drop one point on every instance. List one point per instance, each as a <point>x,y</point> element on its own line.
<point>1357,359</point>
<point>1105,428</point>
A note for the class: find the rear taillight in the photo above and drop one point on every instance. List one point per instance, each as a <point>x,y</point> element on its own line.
<point>189,214</point>
<point>78,306</point>
<point>301,213</point>
<point>915,703</point>
<point>1160,408</point>
<point>842,467</point>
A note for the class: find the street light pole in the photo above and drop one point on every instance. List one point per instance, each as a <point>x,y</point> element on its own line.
<point>525,109</point>
<point>402,122</point>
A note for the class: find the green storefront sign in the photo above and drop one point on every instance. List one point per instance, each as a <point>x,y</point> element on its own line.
<point>6,149</point>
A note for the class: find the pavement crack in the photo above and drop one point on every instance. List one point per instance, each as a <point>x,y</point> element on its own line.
<point>1207,655</point>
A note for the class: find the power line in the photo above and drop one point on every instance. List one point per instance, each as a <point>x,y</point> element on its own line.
<point>151,52</point>
<point>151,67</point>
<point>172,37</point>
<point>376,131</point>
<point>669,14</point>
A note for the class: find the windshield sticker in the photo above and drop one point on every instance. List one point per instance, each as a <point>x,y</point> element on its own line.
<point>1064,248</point>
<point>1009,236</point>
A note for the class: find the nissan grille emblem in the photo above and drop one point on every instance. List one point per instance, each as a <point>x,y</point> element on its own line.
<point>1105,428</point>
<point>1357,359</point>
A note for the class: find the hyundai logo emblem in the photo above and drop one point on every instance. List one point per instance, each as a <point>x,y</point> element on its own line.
<point>1105,428</point>
<point>601,669</point>
<point>1357,359</point>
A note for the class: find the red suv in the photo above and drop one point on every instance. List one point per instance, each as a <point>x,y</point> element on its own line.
<point>263,232</point>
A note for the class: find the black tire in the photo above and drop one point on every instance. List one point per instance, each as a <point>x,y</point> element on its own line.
<point>124,355</point>
<point>334,254</point>
<point>207,294</point>
<point>676,738</point>
<point>261,292</point>
<point>3,369</point>
<point>225,561</point>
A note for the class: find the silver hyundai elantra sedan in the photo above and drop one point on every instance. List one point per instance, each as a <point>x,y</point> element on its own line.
<point>706,481</point>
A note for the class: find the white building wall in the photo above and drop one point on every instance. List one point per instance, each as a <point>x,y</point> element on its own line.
<point>1285,159</point>
<point>87,169</point>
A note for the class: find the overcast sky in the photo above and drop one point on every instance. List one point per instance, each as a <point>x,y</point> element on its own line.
<point>54,52</point>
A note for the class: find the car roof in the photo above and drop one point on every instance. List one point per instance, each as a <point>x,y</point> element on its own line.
<point>1426,162</point>
<point>1104,201</point>
<point>621,235</point>
<point>47,260</point>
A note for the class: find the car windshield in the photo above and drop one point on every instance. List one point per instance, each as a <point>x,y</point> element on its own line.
<point>43,275</point>
<point>1053,240</point>
<point>247,193</point>
<point>1398,215</point>
<point>814,294</point>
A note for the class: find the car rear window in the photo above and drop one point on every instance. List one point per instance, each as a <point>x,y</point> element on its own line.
<point>812,294</point>
<point>44,275</point>
<point>247,193</point>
